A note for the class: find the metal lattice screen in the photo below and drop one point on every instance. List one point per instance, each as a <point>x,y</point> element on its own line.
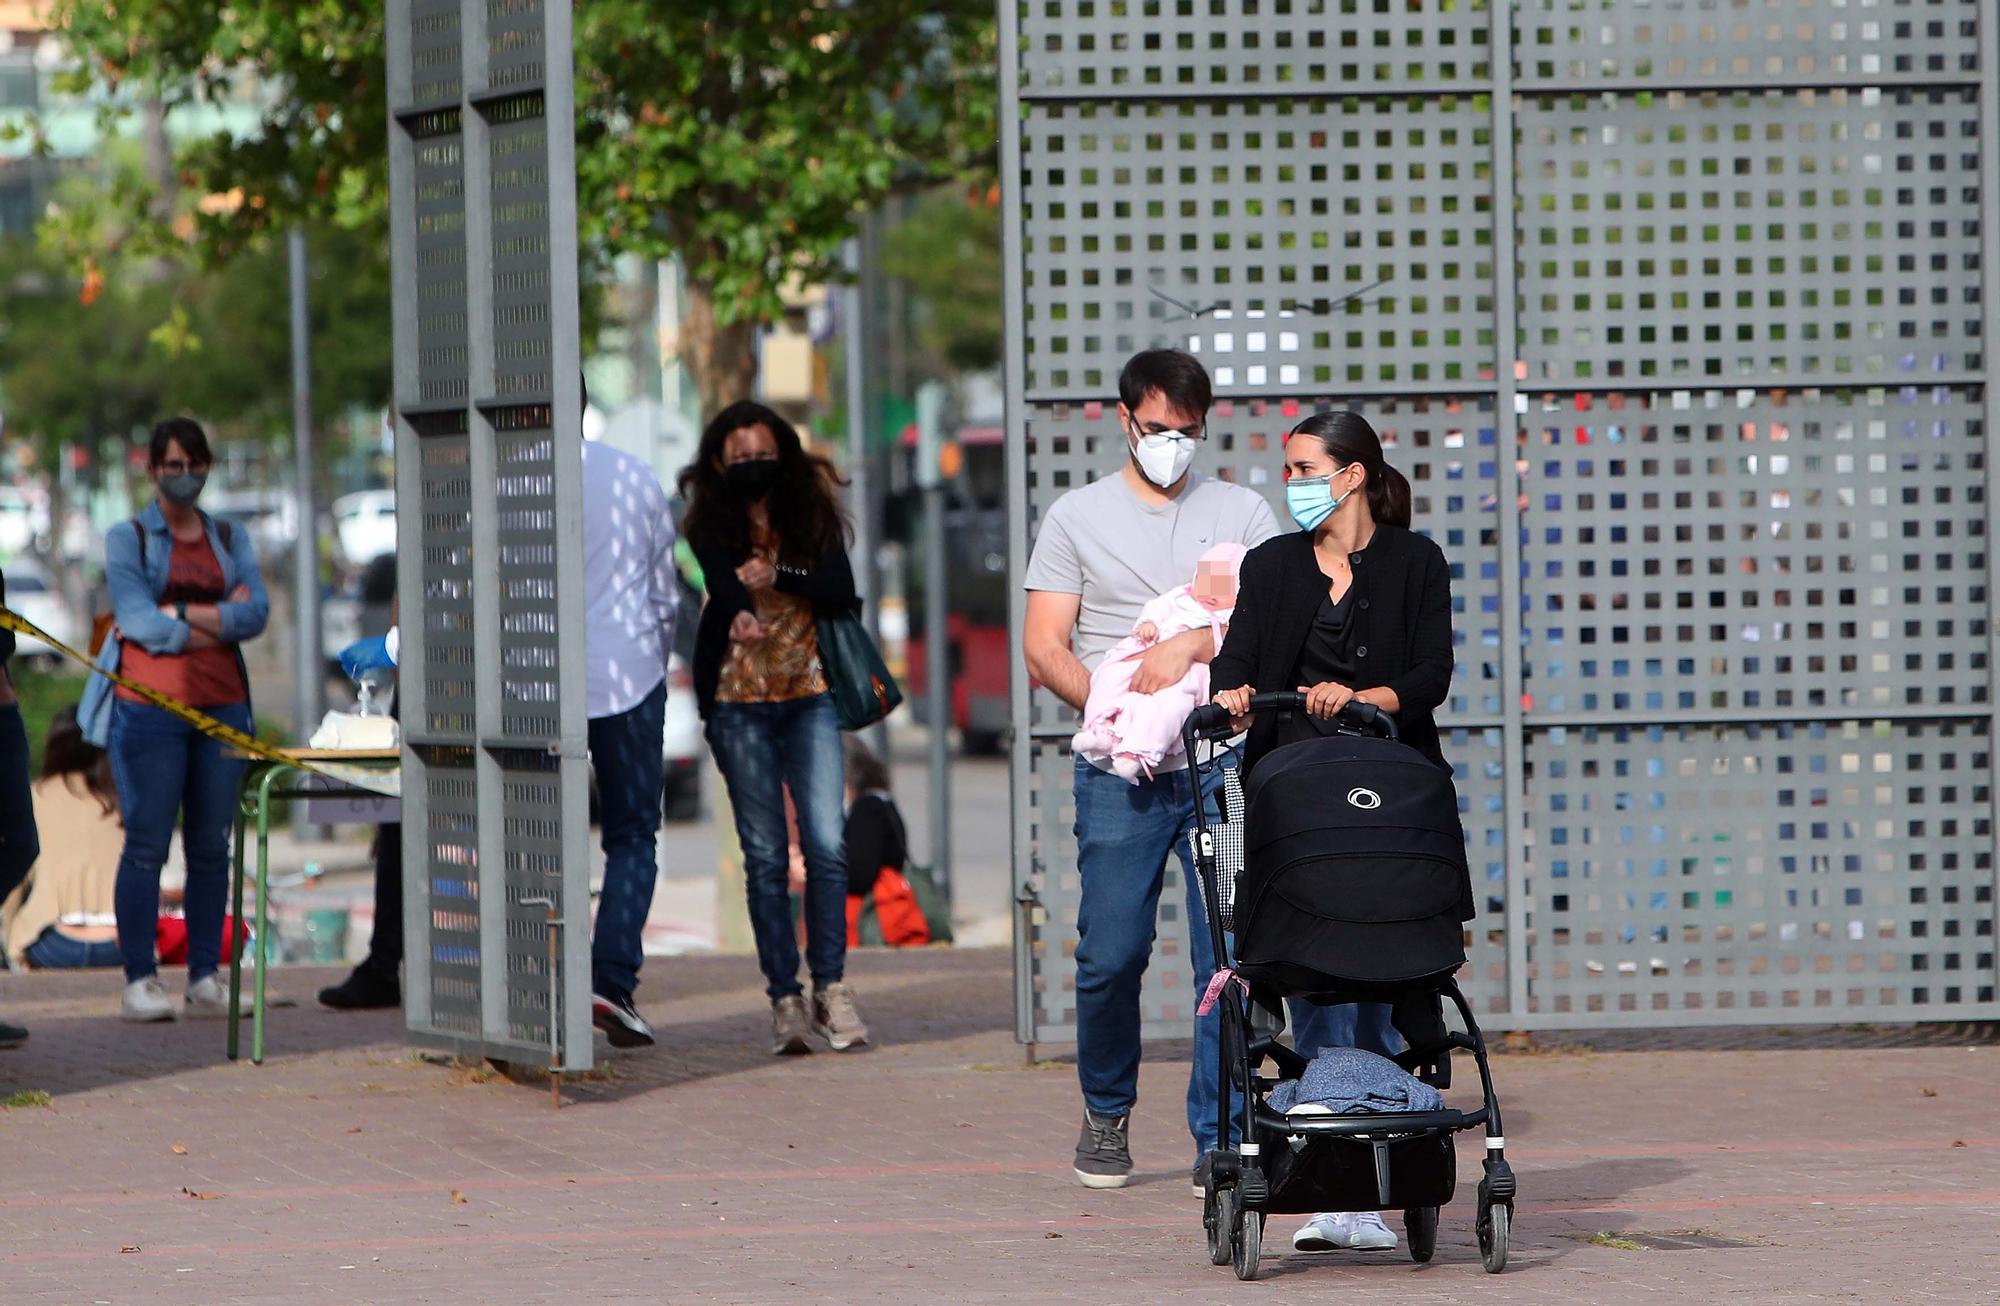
<point>489,490</point>
<point>1717,512</point>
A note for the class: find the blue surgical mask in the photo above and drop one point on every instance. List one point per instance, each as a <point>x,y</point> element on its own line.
<point>1311,501</point>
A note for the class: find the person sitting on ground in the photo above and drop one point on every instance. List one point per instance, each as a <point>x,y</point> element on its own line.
<point>64,915</point>
<point>878,855</point>
<point>1131,733</point>
<point>18,842</point>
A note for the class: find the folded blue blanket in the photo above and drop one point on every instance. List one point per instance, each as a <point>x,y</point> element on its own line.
<point>1348,1081</point>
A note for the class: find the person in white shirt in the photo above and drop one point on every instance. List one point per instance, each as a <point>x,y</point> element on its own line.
<point>631,606</point>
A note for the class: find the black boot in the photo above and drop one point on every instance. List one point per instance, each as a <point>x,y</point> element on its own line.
<point>364,990</point>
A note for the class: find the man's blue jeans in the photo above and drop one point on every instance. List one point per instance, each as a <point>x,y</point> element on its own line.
<point>625,758</point>
<point>763,749</point>
<point>164,769</point>
<point>1363,1025</point>
<point>1124,833</point>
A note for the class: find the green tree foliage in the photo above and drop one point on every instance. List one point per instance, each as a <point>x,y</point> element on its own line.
<point>741,135</point>
<point>89,361</point>
<point>948,250</point>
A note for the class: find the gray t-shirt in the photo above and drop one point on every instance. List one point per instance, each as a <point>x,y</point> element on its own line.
<point>1100,542</point>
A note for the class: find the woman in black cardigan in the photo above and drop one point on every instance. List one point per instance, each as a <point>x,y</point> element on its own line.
<point>764,523</point>
<point>1353,607</point>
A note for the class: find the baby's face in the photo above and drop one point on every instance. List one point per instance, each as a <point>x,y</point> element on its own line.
<point>1214,585</point>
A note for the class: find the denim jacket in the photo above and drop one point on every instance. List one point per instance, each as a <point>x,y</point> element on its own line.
<point>135,602</point>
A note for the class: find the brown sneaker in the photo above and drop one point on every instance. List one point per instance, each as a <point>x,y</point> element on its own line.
<point>789,1027</point>
<point>837,1020</point>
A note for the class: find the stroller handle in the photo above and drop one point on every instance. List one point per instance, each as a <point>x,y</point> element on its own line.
<point>1212,720</point>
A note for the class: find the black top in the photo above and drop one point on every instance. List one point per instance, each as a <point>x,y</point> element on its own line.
<point>828,586</point>
<point>1327,654</point>
<point>1399,628</point>
<point>875,839</point>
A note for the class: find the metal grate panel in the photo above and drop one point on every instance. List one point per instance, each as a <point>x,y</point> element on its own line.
<point>445,539</point>
<point>451,884</point>
<point>1706,42</point>
<point>1161,48</point>
<point>489,472</point>
<point>518,143</point>
<point>1754,551</point>
<point>1725,237</point>
<point>1293,244</point>
<point>530,624</point>
<point>1687,870</point>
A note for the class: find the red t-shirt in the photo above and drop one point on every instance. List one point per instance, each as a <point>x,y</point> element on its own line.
<point>206,677</point>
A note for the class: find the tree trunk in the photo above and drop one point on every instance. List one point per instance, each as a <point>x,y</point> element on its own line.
<point>722,357</point>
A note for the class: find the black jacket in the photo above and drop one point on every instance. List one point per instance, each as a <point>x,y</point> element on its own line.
<point>829,587</point>
<point>1401,638</point>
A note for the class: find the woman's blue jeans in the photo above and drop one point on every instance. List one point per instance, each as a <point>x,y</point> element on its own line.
<point>763,749</point>
<point>58,951</point>
<point>166,770</point>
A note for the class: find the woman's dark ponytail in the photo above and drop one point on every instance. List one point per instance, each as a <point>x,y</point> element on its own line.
<point>1349,438</point>
<point>1388,495</point>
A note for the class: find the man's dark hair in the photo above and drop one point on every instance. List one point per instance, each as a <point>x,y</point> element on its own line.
<point>1176,376</point>
<point>193,441</point>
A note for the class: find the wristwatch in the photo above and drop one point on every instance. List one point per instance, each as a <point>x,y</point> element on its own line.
<point>181,611</point>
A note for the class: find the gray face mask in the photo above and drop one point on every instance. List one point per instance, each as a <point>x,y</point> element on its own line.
<point>183,488</point>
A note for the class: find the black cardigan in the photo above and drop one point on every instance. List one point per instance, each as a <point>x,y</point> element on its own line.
<point>829,587</point>
<point>1401,637</point>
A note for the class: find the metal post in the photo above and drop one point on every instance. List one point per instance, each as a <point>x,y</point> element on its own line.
<point>859,456</point>
<point>937,648</point>
<point>1989,272</point>
<point>1507,516</point>
<point>1021,744</point>
<point>308,691</point>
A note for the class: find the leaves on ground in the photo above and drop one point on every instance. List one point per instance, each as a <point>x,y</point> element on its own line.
<point>458,1198</point>
<point>180,1149</point>
<point>199,1197</point>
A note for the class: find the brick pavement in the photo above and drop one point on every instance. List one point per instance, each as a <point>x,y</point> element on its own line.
<point>932,1169</point>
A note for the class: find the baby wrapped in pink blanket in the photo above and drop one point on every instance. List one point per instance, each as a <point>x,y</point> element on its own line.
<point>1133,733</point>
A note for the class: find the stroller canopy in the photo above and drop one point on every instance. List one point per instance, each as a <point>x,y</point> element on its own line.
<point>1354,868</point>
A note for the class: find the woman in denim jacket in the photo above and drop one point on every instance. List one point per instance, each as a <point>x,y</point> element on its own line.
<point>185,592</point>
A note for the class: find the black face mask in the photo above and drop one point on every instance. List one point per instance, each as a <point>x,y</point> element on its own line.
<point>753,479</point>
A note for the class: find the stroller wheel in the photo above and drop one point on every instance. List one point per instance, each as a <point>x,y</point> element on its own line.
<point>1493,1238</point>
<point>1249,1244</point>
<point>1218,1217</point>
<point>1421,1224</point>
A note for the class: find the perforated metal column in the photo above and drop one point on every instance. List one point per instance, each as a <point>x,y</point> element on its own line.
<point>1707,448</point>
<point>483,232</point>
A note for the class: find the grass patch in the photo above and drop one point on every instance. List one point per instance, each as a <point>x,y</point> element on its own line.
<point>1616,1241</point>
<point>27,1097</point>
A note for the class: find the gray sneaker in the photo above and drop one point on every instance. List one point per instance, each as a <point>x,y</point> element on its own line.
<point>837,1020</point>
<point>146,1001</point>
<point>1103,1154</point>
<point>790,1026</point>
<point>208,998</point>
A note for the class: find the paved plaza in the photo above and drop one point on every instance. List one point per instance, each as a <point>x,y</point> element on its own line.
<point>1844,1166</point>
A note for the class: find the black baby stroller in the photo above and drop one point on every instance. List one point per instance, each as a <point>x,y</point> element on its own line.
<point>1352,887</point>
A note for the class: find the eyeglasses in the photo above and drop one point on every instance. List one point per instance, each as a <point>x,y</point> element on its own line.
<point>175,467</point>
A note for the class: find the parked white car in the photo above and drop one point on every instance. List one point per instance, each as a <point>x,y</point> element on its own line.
<point>365,524</point>
<point>31,593</point>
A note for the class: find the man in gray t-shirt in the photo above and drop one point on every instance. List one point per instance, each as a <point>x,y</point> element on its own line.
<point>1101,553</point>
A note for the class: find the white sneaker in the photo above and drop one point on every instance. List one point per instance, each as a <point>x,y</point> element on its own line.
<point>207,998</point>
<point>1360,1231</point>
<point>146,1001</point>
